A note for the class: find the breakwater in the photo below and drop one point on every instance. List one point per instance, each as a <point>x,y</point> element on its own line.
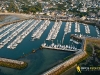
<point>16,64</point>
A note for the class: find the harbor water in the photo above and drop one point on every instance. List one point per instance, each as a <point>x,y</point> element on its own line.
<point>41,60</point>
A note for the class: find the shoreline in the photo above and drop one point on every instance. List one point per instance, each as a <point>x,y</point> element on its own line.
<point>5,24</point>
<point>23,16</point>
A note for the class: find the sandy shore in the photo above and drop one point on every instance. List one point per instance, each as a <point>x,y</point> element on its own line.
<point>20,15</point>
<point>10,17</point>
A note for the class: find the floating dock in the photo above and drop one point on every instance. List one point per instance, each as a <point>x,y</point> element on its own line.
<point>61,48</point>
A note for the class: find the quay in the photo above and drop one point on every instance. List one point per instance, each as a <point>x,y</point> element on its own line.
<point>60,49</point>
<point>16,64</point>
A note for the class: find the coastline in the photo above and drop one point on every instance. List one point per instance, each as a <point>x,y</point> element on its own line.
<point>27,17</point>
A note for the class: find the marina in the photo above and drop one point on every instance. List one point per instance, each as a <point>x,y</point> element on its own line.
<point>3,28</point>
<point>21,41</point>
<point>15,33</point>
<point>10,29</point>
<point>23,35</point>
<point>49,37</point>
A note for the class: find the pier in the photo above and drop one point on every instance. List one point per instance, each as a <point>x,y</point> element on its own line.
<point>54,31</point>
<point>87,30</point>
<point>77,27</point>
<point>60,47</point>
<point>67,27</point>
<point>37,34</point>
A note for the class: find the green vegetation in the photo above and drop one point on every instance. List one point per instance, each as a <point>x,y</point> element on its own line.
<point>89,50</point>
<point>26,7</point>
<point>59,7</point>
<point>32,9</point>
<point>81,14</point>
<point>98,53</point>
<point>97,50</point>
<point>12,7</point>
<point>13,65</point>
